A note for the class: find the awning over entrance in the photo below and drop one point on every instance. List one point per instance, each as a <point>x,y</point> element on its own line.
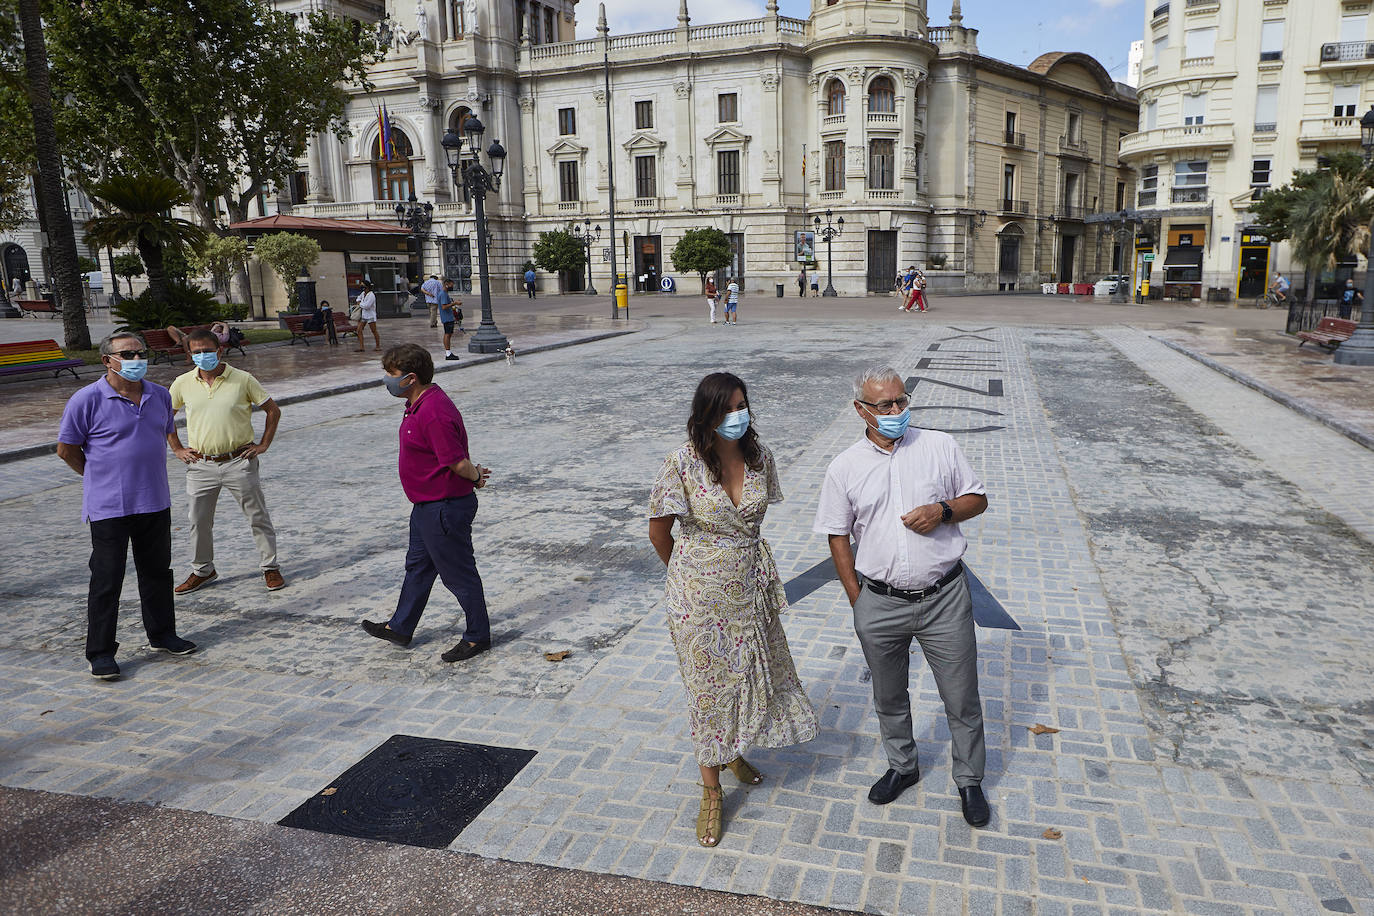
<point>1190,256</point>
<point>285,223</point>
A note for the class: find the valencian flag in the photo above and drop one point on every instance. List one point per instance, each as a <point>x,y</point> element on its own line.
<point>390,141</point>
<point>381,134</point>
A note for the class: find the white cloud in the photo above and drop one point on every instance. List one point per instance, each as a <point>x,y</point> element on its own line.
<point>625,16</point>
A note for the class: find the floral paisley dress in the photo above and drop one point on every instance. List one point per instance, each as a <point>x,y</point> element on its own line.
<point>724,598</point>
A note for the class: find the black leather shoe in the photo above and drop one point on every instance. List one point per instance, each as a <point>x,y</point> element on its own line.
<point>975,805</point>
<point>465,650</point>
<point>892,785</point>
<point>380,631</point>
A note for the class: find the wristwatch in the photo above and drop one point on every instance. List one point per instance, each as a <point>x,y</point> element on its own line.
<point>946,513</point>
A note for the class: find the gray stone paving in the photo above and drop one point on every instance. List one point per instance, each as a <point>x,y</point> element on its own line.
<point>1247,801</point>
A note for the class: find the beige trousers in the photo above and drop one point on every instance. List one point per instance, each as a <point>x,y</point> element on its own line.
<point>204,480</point>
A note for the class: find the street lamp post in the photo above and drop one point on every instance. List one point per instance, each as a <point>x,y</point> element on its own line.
<point>588,235</point>
<point>828,232</point>
<point>1359,349</point>
<point>416,217</point>
<point>470,175</point>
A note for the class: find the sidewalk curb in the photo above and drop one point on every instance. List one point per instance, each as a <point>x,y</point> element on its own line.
<point>47,448</point>
<point>1353,433</point>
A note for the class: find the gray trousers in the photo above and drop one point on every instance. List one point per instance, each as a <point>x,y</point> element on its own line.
<point>943,624</point>
<point>204,480</point>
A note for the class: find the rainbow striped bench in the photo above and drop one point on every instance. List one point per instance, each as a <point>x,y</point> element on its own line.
<point>36,356</point>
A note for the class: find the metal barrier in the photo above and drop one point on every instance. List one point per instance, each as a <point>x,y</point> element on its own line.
<point>1304,316</point>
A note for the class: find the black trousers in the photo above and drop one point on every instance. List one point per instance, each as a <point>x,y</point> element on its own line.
<point>150,533</point>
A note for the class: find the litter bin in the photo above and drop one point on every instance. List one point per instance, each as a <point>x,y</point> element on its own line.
<point>778,287</point>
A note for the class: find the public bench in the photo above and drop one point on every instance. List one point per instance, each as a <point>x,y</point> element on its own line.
<point>36,356</point>
<point>161,345</point>
<point>1329,333</point>
<point>296,325</point>
<point>32,308</point>
<point>344,326</point>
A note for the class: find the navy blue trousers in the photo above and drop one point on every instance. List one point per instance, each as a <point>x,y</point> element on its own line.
<point>441,546</point>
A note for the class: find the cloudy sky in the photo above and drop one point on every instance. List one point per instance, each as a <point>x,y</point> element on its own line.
<point>1011,30</point>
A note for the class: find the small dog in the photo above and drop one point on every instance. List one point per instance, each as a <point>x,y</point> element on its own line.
<point>510,355</point>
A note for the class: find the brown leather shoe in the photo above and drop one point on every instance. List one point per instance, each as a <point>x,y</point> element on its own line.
<point>194,582</point>
<point>273,579</point>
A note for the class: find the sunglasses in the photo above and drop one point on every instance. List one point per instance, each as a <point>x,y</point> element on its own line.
<point>130,354</point>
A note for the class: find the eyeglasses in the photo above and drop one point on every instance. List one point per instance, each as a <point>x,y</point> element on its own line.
<point>131,354</point>
<point>886,406</point>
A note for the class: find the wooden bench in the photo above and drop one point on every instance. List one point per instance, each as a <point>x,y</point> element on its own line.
<point>296,325</point>
<point>205,327</point>
<point>32,308</point>
<point>161,346</point>
<point>36,356</point>
<point>1329,333</point>
<point>343,325</point>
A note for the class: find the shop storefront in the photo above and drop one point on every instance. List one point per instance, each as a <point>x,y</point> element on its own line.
<point>1183,262</point>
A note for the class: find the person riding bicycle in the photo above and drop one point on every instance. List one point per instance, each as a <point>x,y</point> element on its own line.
<point>1280,287</point>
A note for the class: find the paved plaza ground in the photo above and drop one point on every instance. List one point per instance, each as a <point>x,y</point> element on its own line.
<point>1189,561</point>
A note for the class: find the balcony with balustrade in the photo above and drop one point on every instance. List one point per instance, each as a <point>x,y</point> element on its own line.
<point>1014,138</point>
<point>645,45</point>
<point>1346,54</point>
<point>1193,194</point>
<point>1015,207</point>
<point>1191,136</point>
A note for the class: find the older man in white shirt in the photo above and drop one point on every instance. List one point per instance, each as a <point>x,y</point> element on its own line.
<point>901,493</point>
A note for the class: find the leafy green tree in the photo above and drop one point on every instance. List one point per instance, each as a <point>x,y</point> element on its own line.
<point>220,257</point>
<point>16,127</point>
<point>128,265</point>
<point>701,251</point>
<point>186,304</point>
<point>558,250</point>
<point>1324,214</point>
<point>57,222</point>
<point>137,213</point>
<point>221,95</point>
<point>288,254</point>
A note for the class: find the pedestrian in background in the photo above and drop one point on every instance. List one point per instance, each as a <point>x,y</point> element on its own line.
<point>222,454</point>
<point>801,282</point>
<point>447,307</point>
<point>115,433</point>
<point>724,596</point>
<point>327,313</point>
<point>712,297</point>
<point>901,494</point>
<point>732,302</point>
<point>529,281</point>
<point>440,479</point>
<point>367,315</point>
<point>432,288</point>
<point>1350,298</point>
<point>815,282</point>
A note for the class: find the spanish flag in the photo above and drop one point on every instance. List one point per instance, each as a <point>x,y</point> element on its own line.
<point>381,134</point>
<point>390,143</point>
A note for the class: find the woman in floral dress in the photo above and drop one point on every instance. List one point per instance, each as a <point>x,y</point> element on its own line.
<point>724,594</point>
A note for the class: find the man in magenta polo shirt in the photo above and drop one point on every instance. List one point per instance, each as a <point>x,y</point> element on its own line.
<point>439,477</point>
<point>114,434</point>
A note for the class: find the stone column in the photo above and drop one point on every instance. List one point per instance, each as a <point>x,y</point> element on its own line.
<point>856,122</point>
<point>911,84</point>
<point>530,154</point>
<point>772,155</point>
<point>318,190</point>
<point>685,142</point>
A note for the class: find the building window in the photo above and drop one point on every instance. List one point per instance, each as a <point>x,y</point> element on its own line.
<point>392,168</point>
<point>834,165</point>
<point>644,115</point>
<point>1157,49</point>
<point>646,180</point>
<point>567,121</point>
<point>299,187</point>
<point>727,110</point>
<point>1199,43</point>
<point>1151,115</point>
<point>1345,99</point>
<point>1259,173</point>
<point>834,98</point>
<point>1070,201</point>
<point>881,162</point>
<point>1353,28</point>
<point>881,96</point>
<point>567,181</point>
<point>1271,40</point>
<point>1194,109</point>
<point>1075,128</point>
<point>549,29</point>
<point>1190,182</point>
<point>1008,186</point>
<point>1149,185</point>
<point>1120,195</point>
<point>1266,109</point>
<point>727,170</point>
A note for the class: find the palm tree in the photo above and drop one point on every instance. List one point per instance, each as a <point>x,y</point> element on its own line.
<point>138,212</point>
<point>56,220</point>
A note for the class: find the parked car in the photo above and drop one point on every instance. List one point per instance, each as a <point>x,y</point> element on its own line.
<point>1110,284</point>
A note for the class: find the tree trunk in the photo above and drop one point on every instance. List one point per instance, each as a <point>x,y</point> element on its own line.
<point>151,252</point>
<point>243,289</point>
<point>61,237</point>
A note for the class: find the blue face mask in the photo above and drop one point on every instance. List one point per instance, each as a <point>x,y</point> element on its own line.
<point>132,369</point>
<point>393,385</point>
<point>892,427</point>
<point>735,424</point>
<point>206,361</point>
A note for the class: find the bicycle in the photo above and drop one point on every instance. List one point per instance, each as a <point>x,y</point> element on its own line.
<point>1270,299</point>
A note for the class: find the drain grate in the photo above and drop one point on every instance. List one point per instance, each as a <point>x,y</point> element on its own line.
<point>417,791</point>
<point>1332,378</point>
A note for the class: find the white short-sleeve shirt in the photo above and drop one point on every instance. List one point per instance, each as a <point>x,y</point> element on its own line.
<point>867,491</point>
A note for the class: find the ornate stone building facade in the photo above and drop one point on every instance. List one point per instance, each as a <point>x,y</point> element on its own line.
<point>978,171</point>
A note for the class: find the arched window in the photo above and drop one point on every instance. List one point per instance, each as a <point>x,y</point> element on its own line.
<point>881,96</point>
<point>455,121</point>
<point>392,167</point>
<point>834,98</point>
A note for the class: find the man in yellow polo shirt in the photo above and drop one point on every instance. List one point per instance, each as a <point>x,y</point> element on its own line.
<point>219,402</point>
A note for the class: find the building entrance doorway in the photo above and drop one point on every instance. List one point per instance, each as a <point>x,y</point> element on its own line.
<point>458,263</point>
<point>1008,257</point>
<point>1067,246</point>
<point>1254,266</point>
<point>648,262</point>
<point>882,260</point>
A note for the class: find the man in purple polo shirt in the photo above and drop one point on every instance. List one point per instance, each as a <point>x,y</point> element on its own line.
<point>439,477</point>
<point>114,433</point>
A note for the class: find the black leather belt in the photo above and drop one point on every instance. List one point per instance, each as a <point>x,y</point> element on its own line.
<point>227,456</point>
<point>882,588</point>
